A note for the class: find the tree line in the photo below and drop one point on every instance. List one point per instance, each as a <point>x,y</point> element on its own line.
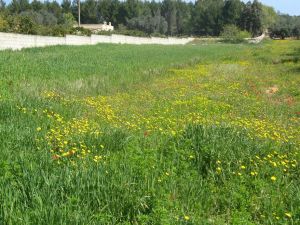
<point>168,17</point>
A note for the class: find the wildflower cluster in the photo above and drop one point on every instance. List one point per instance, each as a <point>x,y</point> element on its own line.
<point>166,106</point>
<point>273,166</point>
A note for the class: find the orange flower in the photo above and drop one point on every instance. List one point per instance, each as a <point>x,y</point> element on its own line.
<point>55,157</point>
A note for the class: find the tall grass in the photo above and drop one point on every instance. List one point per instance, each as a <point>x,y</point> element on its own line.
<point>119,134</point>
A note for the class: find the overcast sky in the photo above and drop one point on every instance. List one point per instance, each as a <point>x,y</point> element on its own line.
<point>291,7</point>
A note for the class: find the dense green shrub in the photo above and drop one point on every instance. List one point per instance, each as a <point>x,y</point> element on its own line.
<point>3,24</point>
<point>137,33</point>
<point>285,26</point>
<point>22,24</point>
<point>233,34</point>
<point>80,31</point>
<point>281,33</point>
<point>296,32</point>
<point>40,23</point>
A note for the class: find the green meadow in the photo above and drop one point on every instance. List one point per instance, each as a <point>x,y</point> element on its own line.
<point>123,134</point>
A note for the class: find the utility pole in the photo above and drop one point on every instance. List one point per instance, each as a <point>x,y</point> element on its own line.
<point>78,13</point>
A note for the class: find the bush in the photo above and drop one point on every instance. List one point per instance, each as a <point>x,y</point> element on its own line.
<point>81,31</point>
<point>136,33</point>
<point>68,20</point>
<point>158,35</point>
<point>59,30</point>
<point>296,32</point>
<point>3,24</point>
<point>104,32</point>
<point>233,34</point>
<point>22,24</point>
<point>123,30</point>
<point>281,33</point>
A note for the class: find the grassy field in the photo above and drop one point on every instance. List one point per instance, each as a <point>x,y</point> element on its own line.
<point>120,134</point>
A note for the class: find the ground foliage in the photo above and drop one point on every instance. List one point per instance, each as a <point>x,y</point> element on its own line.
<point>109,134</point>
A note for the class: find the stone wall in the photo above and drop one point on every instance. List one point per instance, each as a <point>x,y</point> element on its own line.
<point>19,41</point>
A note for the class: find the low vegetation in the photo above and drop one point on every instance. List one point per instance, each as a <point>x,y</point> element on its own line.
<point>233,34</point>
<point>119,134</point>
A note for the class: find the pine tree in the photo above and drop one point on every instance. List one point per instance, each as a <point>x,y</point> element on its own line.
<point>231,12</point>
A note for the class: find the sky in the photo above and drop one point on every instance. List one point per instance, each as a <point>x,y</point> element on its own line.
<point>291,7</point>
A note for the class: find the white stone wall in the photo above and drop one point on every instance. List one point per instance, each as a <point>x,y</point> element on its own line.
<point>19,41</point>
<point>95,39</point>
<point>42,41</point>
<point>13,41</point>
<point>77,40</point>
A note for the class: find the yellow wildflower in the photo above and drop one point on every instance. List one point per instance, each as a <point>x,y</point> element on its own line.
<point>186,217</point>
<point>289,215</point>
<point>253,173</point>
